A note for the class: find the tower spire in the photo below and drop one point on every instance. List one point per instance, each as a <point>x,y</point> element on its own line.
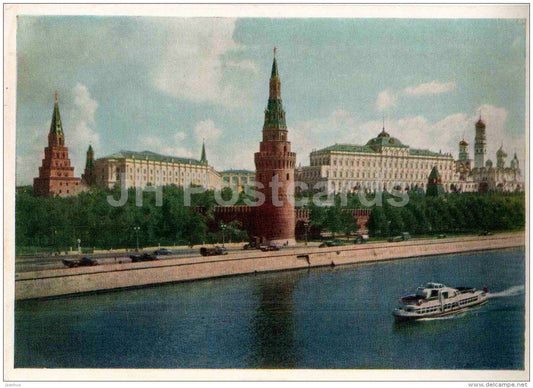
<point>203,158</point>
<point>56,126</point>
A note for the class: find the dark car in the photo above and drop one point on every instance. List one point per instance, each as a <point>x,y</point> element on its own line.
<point>361,238</point>
<point>143,257</point>
<point>83,262</point>
<point>266,248</point>
<point>334,243</point>
<point>485,233</point>
<point>441,236</point>
<point>251,245</point>
<point>163,251</point>
<point>403,237</point>
<point>213,251</point>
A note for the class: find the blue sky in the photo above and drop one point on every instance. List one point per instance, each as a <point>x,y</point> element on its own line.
<point>163,84</point>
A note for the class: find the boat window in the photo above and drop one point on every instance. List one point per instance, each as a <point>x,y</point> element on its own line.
<point>445,294</point>
<point>434,293</point>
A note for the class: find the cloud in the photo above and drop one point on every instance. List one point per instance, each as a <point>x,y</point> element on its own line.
<point>415,131</point>
<point>432,87</point>
<point>78,124</point>
<point>308,135</point>
<point>243,65</point>
<point>77,109</point>
<point>192,63</point>
<point>206,130</point>
<point>172,147</point>
<point>386,99</point>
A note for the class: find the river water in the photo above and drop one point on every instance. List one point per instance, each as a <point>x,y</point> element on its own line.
<point>319,318</point>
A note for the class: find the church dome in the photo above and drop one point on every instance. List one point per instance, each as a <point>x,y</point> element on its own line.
<point>463,143</point>
<point>501,153</point>
<point>480,123</point>
<point>488,163</point>
<point>385,140</point>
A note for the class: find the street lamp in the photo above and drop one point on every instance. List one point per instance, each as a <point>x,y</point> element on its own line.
<point>136,229</point>
<point>223,226</point>
<point>79,246</point>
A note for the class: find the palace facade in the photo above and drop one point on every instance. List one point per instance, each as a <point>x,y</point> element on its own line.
<point>383,163</point>
<point>146,168</point>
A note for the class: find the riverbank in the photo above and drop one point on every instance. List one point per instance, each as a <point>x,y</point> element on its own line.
<point>72,281</point>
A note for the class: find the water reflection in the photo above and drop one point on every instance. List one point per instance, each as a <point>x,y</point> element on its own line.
<point>273,325</point>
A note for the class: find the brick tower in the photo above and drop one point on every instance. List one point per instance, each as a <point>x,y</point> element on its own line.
<point>89,175</point>
<point>56,176</point>
<point>275,165</point>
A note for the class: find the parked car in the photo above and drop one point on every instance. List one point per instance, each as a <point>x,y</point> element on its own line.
<point>83,262</point>
<point>441,236</point>
<point>213,251</point>
<point>252,245</point>
<point>485,233</point>
<point>403,237</point>
<point>333,243</point>
<point>143,257</point>
<point>361,238</point>
<point>266,248</point>
<point>163,251</point>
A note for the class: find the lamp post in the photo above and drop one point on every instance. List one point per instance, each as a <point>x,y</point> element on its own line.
<point>79,246</point>
<point>223,227</point>
<point>136,229</point>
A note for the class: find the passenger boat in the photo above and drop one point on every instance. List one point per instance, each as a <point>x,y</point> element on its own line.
<point>435,300</point>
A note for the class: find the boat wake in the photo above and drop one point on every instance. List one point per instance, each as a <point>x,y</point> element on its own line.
<point>512,291</point>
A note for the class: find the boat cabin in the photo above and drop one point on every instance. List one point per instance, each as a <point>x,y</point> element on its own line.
<point>435,291</point>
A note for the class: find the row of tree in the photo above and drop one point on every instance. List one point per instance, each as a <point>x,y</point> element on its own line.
<point>57,223</point>
<point>420,214</point>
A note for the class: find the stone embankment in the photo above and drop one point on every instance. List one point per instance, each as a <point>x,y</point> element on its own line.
<point>70,281</point>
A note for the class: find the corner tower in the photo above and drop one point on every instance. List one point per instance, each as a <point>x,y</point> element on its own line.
<point>274,164</point>
<point>56,175</point>
<point>480,146</point>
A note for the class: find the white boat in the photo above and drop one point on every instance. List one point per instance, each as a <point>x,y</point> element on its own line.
<point>434,300</point>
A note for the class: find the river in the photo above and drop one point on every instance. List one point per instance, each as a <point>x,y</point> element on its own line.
<point>320,318</point>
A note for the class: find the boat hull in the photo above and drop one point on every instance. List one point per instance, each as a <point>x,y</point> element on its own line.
<point>406,317</point>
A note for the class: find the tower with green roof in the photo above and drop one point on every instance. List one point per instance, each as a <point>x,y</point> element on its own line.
<point>56,175</point>
<point>275,219</point>
<point>434,186</point>
<point>203,158</point>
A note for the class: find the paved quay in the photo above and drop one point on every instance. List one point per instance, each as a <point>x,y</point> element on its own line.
<point>71,281</point>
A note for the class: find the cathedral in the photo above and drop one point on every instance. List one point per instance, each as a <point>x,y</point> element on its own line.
<point>481,174</point>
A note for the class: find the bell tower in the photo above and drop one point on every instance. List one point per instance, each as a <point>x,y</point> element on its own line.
<point>480,146</point>
<point>275,219</point>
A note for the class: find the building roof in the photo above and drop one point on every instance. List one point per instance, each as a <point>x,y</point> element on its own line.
<point>418,152</point>
<point>463,143</point>
<point>346,148</point>
<point>231,171</point>
<point>149,155</point>
<point>385,140</point>
<point>366,148</point>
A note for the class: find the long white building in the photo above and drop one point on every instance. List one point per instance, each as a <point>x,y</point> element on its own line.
<point>383,163</point>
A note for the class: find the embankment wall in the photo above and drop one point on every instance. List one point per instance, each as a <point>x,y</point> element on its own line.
<point>68,281</point>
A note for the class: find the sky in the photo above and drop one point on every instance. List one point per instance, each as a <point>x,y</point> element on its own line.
<point>165,84</point>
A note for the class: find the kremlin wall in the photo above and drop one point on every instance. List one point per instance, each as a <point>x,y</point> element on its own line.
<point>383,163</point>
